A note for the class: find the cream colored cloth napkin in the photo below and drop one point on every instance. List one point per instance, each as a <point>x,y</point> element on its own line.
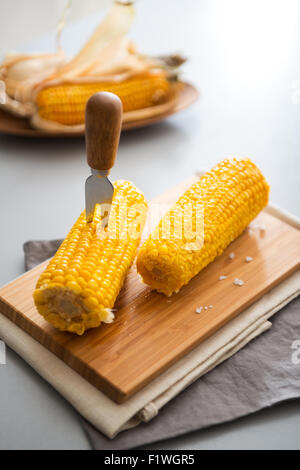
<point>110,418</point>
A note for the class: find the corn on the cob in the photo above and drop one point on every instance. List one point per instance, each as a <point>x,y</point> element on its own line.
<point>81,283</point>
<point>65,104</point>
<point>230,196</point>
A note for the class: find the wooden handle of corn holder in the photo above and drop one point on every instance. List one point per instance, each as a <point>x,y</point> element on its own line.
<point>103,122</point>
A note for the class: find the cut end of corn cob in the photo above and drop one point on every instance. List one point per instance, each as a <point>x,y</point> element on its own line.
<point>79,287</point>
<point>67,310</point>
<point>65,104</point>
<point>230,196</point>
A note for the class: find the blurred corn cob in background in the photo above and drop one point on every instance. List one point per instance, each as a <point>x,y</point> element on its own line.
<point>66,103</point>
<point>228,198</point>
<point>79,287</point>
<point>53,91</point>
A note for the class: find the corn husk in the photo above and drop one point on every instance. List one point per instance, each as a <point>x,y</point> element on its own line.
<point>108,56</point>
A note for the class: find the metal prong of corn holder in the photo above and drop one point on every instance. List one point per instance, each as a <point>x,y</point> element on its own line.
<point>98,190</point>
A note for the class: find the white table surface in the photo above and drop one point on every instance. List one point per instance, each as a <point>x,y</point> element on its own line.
<point>245,58</point>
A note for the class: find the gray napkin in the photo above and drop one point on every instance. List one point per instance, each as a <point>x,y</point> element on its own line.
<point>263,373</point>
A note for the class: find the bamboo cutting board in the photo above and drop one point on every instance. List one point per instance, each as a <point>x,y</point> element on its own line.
<point>151,331</point>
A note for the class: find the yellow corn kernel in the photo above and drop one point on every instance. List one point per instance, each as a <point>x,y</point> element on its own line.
<point>66,103</point>
<point>228,198</point>
<point>83,299</point>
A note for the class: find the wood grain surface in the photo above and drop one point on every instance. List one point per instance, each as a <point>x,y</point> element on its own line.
<point>151,332</point>
<point>188,94</point>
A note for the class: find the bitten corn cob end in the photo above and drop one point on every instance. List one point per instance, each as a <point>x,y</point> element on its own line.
<point>79,287</point>
<point>228,198</point>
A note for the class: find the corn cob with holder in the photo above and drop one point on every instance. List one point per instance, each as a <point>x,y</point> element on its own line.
<point>80,285</point>
<point>228,198</point>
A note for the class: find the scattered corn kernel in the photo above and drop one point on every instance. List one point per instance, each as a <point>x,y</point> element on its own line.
<point>200,309</point>
<point>260,227</point>
<point>238,282</point>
